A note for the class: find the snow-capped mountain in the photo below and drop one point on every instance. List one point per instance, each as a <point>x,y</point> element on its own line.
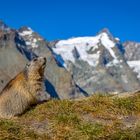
<point>95,61</point>
<point>85,46</point>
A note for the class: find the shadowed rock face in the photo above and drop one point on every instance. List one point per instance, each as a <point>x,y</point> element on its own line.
<point>11,61</point>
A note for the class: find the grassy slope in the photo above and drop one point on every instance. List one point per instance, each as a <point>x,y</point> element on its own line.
<point>97,117</point>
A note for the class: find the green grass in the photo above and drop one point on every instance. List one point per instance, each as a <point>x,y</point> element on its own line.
<point>11,130</point>
<point>99,117</point>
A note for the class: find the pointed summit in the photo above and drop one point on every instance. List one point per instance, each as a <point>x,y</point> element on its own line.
<point>25,31</point>
<point>106,31</point>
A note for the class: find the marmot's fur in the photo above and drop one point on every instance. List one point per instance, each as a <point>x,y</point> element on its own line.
<point>24,90</point>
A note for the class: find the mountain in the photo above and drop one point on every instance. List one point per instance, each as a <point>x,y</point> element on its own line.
<point>11,60</point>
<point>3,26</point>
<point>132,55</point>
<point>76,67</point>
<point>97,63</point>
<point>17,47</point>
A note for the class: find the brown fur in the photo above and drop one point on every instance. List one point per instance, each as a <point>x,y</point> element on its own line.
<point>24,90</point>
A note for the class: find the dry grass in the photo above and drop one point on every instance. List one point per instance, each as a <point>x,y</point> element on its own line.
<point>99,117</point>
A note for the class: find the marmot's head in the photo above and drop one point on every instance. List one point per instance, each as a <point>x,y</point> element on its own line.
<point>36,66</point>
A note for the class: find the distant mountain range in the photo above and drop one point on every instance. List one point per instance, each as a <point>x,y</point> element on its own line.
<point>76,67</point>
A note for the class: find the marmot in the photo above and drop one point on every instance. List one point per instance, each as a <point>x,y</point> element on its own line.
<point>24,90</point>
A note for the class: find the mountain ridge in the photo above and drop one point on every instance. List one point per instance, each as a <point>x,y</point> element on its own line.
<point>77,67</point>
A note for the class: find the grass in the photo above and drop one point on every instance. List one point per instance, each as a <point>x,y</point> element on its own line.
<point>99,117</point>
<point>10,130</point>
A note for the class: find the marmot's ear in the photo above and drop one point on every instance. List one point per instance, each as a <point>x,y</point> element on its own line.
<point>34,57</point>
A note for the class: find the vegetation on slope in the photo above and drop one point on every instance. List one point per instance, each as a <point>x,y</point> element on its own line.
<point>102,117</point>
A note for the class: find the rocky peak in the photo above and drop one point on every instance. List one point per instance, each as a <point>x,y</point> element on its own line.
<point>110,35</point>
<point>25,31</point>
<point>105,30</point>
<point>24,28</point>
<point>31,38</point>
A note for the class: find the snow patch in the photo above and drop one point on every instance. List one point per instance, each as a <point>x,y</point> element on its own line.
<point>34,40</point>
<point>117,39</point>
<point>28,43</point>
<point>31,40</point>
<point>115,62</point>
<point>108,44</point>
<point>25,33</point>
<point>135,65</point>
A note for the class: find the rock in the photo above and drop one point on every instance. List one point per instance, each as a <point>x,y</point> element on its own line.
<point>132,55</point>
<point>11,60</point>
<point>132,50</point>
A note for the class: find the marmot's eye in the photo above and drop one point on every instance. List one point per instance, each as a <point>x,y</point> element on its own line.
<point>35,59</point>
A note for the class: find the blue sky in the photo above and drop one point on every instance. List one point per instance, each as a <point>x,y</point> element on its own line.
<point>61,19</point>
